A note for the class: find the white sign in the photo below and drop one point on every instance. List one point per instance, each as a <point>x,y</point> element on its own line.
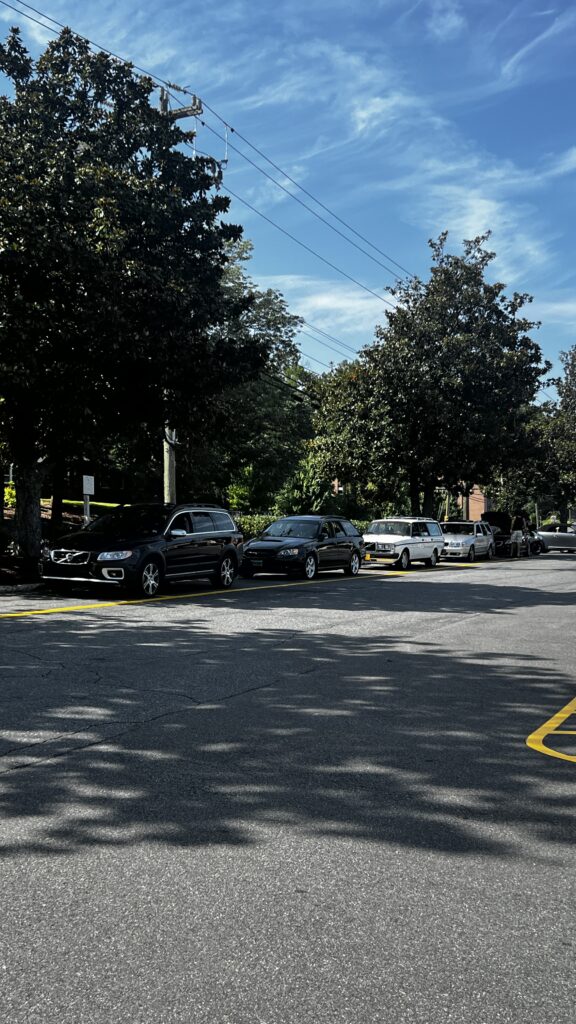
<point>87,485</point>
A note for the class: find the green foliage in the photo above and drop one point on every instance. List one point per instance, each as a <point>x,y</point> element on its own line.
<point>442,396</point>
<point>252,524</point>
<point>114,313</point>
<point>9,495</point>
<point>306,491</point>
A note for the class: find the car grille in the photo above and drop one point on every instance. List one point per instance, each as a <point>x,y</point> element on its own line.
<point>68,557</point>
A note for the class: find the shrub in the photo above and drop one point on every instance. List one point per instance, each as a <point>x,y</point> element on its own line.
<point>10,495</point>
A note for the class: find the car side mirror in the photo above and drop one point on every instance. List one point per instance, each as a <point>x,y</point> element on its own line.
<point>178,533</point>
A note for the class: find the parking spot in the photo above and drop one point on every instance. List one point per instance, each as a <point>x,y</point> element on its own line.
<point>554,731</point>
<point>245,586</point>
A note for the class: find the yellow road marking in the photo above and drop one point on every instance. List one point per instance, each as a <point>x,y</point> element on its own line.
<point>178,597</point>
<point>216,593</point>
<point>536,739</point>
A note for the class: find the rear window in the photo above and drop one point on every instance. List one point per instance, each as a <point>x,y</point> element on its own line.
<point>349,529</point>
<point>222,521</point>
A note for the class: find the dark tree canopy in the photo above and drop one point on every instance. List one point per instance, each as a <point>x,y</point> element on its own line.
<point>112,252</point>
<point>441,396</point>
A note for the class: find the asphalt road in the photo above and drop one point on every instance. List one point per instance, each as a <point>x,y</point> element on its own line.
<point>291,803</point>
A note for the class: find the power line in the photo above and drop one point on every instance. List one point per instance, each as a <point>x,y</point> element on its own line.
<point>320,342</point>
<point>170,85</point>
<point>306,192</point>
<point>297,200</point>
<point>330,337</point>
<point>304,246</point>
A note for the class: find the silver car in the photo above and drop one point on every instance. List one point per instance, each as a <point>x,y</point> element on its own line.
<point>558,537</point>
<point>467,539</point>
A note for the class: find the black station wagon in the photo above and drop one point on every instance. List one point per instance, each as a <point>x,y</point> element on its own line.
<point>304,544</point>
<point>142,546</point>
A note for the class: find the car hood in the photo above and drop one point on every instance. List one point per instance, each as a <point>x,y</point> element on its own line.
<point>458,536</point>
<point>86,540</point>
<point>385,538</point>
<point>277,543</point>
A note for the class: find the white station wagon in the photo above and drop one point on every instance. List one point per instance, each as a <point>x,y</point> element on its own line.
<point>468,539</point>
<point>402,540</point>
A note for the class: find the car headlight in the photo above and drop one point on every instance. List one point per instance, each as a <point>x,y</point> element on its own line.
<point>113,556</point>
<point>288,552</point>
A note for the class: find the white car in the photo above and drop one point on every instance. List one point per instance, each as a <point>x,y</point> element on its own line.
<point>468,539</point>
<point>401,540</point>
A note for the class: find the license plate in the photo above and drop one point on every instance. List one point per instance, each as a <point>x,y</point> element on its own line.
<point>256,561</point>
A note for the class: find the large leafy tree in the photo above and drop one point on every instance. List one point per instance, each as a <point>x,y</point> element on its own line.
<point>546,477</point>
<point>443,395</point>
<point>112,253</point>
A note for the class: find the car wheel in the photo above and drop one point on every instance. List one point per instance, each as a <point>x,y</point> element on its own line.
<point>353,567</point>
<point>310,569</point>
<point>246,572</point>
<point>490,553</point>
<point>225,573</point>
<point>149,578</point>
<point>432,562</point>
<point>404,561</point>
<point>472,554</point>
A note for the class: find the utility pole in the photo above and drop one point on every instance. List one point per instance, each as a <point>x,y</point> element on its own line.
<point>170,442</point>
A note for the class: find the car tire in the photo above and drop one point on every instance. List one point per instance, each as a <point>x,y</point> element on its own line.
<point>150,578</point>
<point>353,567</point>
<point>432,562</point>
<point>490,554</point>
<point>223,577</point>
<point>472,553</point>
<point>310,567</point>
<point>403,562</point>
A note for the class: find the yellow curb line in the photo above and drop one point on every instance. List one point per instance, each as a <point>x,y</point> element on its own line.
<point>216,593</point>
<point>536,739</point>
<point>176,597</point>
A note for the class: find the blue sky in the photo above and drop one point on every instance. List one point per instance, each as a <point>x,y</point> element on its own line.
<point>403,117</point>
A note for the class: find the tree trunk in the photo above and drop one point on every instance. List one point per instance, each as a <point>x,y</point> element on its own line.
<point>428,503</point>
<point>28,484</point>
<point>414,495</point>
<point>57,496</point>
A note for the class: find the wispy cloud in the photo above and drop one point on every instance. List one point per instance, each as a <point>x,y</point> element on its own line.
<point>446,20</point>
<point>336,308</point>
<point>511,68</point>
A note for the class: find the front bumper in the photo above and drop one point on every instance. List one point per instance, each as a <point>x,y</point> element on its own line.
<point>268,563</point>
<point>454,553</point>
<point>381,557</point>
<point>91,572</point>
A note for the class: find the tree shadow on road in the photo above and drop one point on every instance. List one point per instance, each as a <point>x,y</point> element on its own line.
<point>119,730</point>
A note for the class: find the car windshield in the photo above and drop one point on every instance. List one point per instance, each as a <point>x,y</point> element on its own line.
<point>466,529</point>
<point>292,528</point>
<point>138,522</point>
<point>390,526</point>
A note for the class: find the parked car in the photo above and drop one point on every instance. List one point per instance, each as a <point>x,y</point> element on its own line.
<point>303,545</point>
<point>501,525</point>
<point>142,546</point>
<point>558,537</point>
<point>402,540</point>
<point>468,539</point>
